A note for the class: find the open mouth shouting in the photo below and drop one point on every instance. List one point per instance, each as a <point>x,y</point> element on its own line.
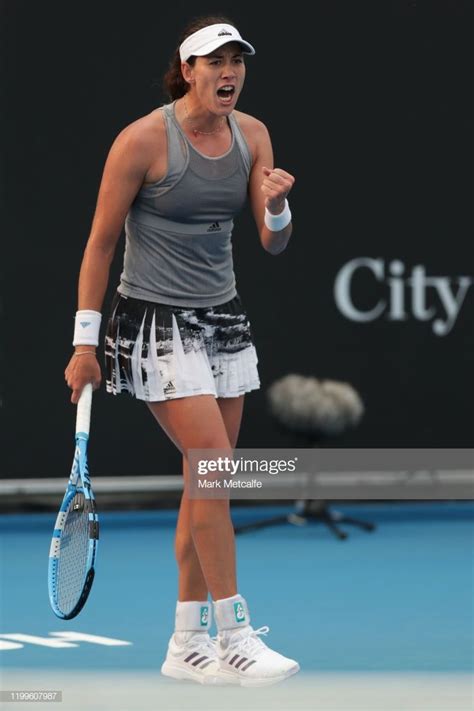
<point>226,93</point>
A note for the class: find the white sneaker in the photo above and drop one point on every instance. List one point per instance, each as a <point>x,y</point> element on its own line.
<point>192,656</point>
<point>246,660</point>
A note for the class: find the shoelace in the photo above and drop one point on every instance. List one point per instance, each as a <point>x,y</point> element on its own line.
<point>203,643</point>
<point>251,643</point>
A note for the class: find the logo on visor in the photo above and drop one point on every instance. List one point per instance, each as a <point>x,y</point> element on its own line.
<point>224,32</point>
<point>215,227</point>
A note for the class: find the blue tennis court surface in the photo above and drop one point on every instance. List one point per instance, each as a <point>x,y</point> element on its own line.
<point>382,618</point>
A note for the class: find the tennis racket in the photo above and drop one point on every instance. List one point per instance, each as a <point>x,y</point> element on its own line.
<point>75,538</point>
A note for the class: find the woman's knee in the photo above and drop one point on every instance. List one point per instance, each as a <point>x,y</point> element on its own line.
<point>208,515</point>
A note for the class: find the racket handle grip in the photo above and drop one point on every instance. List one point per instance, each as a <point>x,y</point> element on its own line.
<point>83,417</point>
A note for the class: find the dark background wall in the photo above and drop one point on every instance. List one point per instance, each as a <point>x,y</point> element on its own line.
<point>369,105</point>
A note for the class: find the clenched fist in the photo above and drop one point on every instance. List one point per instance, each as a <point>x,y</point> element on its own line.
<point>276,185</point>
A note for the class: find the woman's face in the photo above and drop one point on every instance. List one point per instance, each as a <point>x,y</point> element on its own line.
<point>217,78</point>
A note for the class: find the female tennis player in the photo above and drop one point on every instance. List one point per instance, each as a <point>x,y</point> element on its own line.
<point>178,337</point>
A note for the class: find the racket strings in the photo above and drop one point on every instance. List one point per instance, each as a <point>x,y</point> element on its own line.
<point>72,563</point>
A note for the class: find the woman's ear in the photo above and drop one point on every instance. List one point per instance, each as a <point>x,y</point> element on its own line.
<point>188,72</point>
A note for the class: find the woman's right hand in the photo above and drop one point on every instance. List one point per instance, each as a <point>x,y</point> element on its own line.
<point>82,369</point>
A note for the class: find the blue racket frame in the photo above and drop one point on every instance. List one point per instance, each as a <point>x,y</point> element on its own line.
<point>79,482</point>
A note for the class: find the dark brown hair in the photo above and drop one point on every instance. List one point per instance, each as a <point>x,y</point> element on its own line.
<point>173,83</point>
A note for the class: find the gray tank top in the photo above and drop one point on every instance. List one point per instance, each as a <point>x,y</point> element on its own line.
<point>178,230</point>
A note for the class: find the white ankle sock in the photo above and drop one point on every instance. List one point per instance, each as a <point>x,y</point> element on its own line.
<point>231,613</point>
<point>191,618</point>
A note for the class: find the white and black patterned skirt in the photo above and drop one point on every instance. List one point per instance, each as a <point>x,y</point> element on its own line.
<point>158,352</point>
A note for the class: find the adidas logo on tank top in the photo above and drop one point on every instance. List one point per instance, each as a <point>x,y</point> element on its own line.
<point>215,227</point>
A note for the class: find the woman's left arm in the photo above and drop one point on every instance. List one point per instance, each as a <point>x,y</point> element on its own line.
<point>268,190</point>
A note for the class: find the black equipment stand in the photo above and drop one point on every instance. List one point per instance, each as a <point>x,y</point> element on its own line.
<point>310,511</point>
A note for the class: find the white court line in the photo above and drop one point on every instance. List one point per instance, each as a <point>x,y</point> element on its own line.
<point>129,691</point>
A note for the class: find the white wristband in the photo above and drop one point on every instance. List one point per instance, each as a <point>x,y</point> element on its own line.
<point>275,223</point>
<point>86,328</point>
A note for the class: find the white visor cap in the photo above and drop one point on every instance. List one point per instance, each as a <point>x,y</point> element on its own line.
<point>210,38</point>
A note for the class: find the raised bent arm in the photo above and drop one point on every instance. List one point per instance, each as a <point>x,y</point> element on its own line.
<point>268,190</point>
